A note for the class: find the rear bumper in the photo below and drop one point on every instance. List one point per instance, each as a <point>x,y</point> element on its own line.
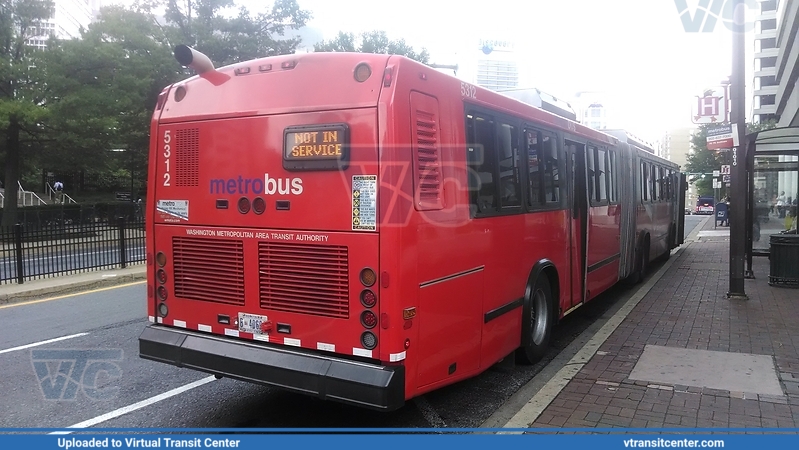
<point>356,383</point>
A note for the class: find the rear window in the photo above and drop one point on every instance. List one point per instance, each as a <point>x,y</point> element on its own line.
<point>704,201</point>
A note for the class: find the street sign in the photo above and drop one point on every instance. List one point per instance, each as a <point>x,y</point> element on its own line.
<point>726,179</point>
<point>719,137</point>
<point>725,169</point>
<point>716,184</point>
<point>711,107</point>
<point>716,173</point>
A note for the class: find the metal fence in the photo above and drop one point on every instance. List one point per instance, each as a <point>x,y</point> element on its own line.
<point>32,252</point>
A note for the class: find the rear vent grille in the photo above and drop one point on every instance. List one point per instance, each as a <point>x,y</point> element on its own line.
<point>210,270</point>
<point>304,279</point>
<point>427,152</point>
<point>187,157</point>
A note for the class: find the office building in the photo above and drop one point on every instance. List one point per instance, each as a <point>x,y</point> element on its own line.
<point>65,23</point>
<point>765,60</point>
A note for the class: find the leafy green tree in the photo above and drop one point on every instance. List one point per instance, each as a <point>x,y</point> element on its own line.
<point>206,26</point>
<point>372,42</point>
<point>103,89</point>
<point>22,104</point>
<point>704,161</point>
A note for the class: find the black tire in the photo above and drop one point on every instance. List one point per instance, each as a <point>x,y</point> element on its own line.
<point>539,318</point>
<point>645,259</point>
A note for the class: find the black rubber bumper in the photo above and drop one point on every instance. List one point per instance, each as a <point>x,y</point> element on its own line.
<point>356,383</point>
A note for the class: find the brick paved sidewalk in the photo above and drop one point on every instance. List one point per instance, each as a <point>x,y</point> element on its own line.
<point>688,309</point>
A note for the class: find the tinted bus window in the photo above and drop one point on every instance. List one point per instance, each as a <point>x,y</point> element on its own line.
<point>644,182</point>
<point>552,171</point>
<point>612,176</point>
<point>510,193</point>
<point>534,167</point>
<point>482,163</point>
<point>601,172</point>
<point>589,162</point>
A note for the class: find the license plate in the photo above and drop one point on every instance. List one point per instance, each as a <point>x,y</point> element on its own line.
<point>251,323</point>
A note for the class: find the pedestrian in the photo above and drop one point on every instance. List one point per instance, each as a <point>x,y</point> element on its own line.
<point>781,205</point>
<point>58,186</point>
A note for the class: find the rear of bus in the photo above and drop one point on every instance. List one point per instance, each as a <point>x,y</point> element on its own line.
<point>262,235</point>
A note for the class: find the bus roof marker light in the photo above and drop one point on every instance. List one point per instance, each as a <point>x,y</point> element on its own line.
<point>362,72</point>
<point>242,70</point>
<point>288,64</point>
<point>423,76</point>
<point>264,67</point>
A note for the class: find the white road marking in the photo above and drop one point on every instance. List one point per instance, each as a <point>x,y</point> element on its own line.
<point>142,404</point>
<point>36,344</point>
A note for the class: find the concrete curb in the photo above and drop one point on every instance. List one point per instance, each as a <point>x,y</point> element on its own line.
<point>69,284</point>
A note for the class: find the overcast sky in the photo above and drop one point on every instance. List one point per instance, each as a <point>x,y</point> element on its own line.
<point>636,50</point>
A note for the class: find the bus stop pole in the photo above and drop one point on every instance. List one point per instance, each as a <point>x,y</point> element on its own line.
<point>738,156</point>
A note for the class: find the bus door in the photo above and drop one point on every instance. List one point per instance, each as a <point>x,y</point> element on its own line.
<point>578,229</point>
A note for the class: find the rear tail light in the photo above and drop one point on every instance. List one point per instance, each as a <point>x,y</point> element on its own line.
<point>368,277</point>
<point>163,310</point>
<point>368,298</point>
<point>160,258</point>
<point>161,275</point>
<point>387,77</point>
<point>162,293</point>
<point>244,205</point>
<point>368,340</point>
<point>368,319</point>
<point>258,205</point>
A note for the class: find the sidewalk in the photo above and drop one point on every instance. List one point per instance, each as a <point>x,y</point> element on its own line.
<point>685,355</point>
<point>67,284</point>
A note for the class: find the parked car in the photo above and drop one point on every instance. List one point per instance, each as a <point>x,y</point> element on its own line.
<point>688,211</point>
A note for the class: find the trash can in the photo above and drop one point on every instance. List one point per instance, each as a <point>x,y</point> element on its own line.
<point>784,260</point>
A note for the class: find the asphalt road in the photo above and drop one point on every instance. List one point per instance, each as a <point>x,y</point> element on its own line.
<point>117,389</point>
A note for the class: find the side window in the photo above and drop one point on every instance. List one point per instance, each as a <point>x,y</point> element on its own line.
<point>653,182</point>
<point>590,154</point>
<point>612,176</point>
<point>510,189</point>
<point>535,168</point>
<point>644,182</point>
<point>481,159</point>
<point>551,171</point>
<point>601,172</point>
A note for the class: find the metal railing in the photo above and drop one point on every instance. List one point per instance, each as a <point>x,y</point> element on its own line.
<point>30,252</point>
<point>24,195</point>
<point>53,195</point>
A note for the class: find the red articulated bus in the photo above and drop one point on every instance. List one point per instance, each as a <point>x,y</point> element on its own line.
<point>365,229</point>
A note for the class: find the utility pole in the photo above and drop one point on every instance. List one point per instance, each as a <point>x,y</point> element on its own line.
<point>738,176</point>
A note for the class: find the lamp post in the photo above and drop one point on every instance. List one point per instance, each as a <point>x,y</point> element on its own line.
<point>738,175</point>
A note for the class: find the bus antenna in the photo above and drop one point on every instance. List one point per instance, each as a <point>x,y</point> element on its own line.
<point>190,57</point>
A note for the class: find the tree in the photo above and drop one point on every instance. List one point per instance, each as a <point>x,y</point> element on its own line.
<point>203,24</point>
<point>103,89</point>
<point>22,103</point>
<point>372,42</point>
<point>704,161</point>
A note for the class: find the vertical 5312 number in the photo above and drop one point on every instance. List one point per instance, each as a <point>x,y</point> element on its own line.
<point>167,155</point>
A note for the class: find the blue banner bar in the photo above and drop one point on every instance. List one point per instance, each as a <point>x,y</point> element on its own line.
<point>337,438</point>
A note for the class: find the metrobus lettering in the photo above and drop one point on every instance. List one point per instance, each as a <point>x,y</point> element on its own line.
<point>268,186</point>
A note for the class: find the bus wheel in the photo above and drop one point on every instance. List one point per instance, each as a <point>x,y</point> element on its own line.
<point>645,258</point>
<point>539,319</point>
